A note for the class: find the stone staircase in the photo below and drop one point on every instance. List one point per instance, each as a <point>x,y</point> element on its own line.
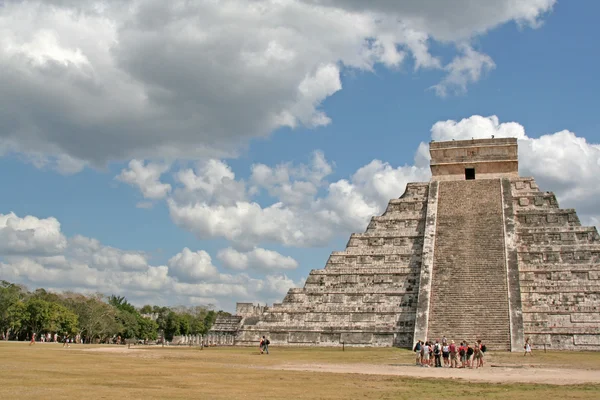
<point>469,296</point>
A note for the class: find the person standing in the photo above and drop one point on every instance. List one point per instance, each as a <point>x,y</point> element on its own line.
<point>527,348</point>
<point>417,351</point>
<point>437,353</point>
<point>32,339</point>
<point>482,351</point>
<point>266,343</point>
<point>446,354</point>
<point>453,355</point>
<point>469,355</point>
<point>261,344</point>
<point>426,350</point>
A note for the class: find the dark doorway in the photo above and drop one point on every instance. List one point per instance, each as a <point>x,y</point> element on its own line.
<point>469,173</point>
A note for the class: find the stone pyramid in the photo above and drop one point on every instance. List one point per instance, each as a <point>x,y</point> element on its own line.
<point>476,252</point>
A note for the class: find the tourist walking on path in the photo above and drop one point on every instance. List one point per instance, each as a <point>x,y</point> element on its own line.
<point>266,343</point>
<point>261,344</point>
<point>527,347</point>
<point>32,339</point>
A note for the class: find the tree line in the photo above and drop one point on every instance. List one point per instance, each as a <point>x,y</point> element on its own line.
<point>94,318</point>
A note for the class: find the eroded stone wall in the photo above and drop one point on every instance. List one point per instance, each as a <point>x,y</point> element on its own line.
<point>559,271</point>
<point>366,295</point>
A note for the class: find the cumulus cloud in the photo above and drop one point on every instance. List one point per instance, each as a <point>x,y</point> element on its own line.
<point>96,81</point>
<point>464,69</point>
<point>258,259</point>
<point>189,266</point>
<point>299,216</point>
<point>146,177</point>
<point>30,235</point>
<point>86,265</point>
<point>308,211</point>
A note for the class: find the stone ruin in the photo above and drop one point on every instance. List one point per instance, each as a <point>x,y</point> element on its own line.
<point>476,252</point>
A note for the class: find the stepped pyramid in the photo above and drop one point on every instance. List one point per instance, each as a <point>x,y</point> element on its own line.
<point>476,252</point>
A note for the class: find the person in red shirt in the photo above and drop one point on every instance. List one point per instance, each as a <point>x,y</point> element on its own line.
<point>462,351</point>
<point>453,355</point>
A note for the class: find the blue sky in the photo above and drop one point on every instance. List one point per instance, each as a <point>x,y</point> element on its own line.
<point>543,79</point>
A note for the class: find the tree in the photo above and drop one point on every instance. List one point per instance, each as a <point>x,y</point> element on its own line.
<point>121,303</point>
<point>13,319</point>
<point>96,317</point>
<point>37,315</point>
<point>147,309</point>
<point>173,325</point>
<point>209,320</point>
<point>148,329</point>
<point>11,307</point>
<point>62,320</point>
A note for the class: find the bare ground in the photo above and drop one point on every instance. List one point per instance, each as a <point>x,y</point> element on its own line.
<point>499,374</point>
<point>492,373</point>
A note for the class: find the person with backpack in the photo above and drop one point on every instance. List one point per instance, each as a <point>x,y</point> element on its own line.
<point>437,353</point>
<point>482,349</point>
<point>266,343</point>
<point>469,355</point>
<point>417,350</point>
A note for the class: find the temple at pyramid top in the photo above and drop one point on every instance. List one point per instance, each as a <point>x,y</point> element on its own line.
<point>474,159</point>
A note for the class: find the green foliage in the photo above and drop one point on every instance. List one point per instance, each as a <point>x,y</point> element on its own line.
<point>95,317</point>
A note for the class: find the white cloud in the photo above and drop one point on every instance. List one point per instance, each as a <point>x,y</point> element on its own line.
<point>146,177</point>
<point>190,266</point>
<point>464,69</point>
<point>115,80</point>
<point>257,259</point>
<point>298,216</point>
<point>30,235</point>
<point>307,211</point>
<point>452,19</point>
<point>84,264</point>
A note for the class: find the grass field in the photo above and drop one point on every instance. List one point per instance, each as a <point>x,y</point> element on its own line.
<point>49,371</point>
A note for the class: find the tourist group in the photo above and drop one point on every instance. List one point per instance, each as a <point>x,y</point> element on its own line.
<point>464,355</point>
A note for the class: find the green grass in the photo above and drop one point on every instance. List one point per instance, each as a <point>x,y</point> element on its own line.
<point>48,371</point>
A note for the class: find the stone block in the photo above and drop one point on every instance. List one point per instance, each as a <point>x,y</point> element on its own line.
<point>304,337</point>
<point>356,338</point>
<point>594,275</point>
<point>593,339</point>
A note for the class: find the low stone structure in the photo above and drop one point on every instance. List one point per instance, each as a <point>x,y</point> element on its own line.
<point>477,252</point>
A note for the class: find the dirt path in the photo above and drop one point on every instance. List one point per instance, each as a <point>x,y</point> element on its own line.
<point>558,376</point>
<point>494,374</point>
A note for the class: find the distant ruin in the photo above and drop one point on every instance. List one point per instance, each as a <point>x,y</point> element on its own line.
<point>476,252</point>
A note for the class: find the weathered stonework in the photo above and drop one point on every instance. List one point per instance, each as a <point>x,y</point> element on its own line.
<point>478,252</point>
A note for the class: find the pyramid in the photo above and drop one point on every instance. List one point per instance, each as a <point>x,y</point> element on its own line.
<point>478,252</point>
